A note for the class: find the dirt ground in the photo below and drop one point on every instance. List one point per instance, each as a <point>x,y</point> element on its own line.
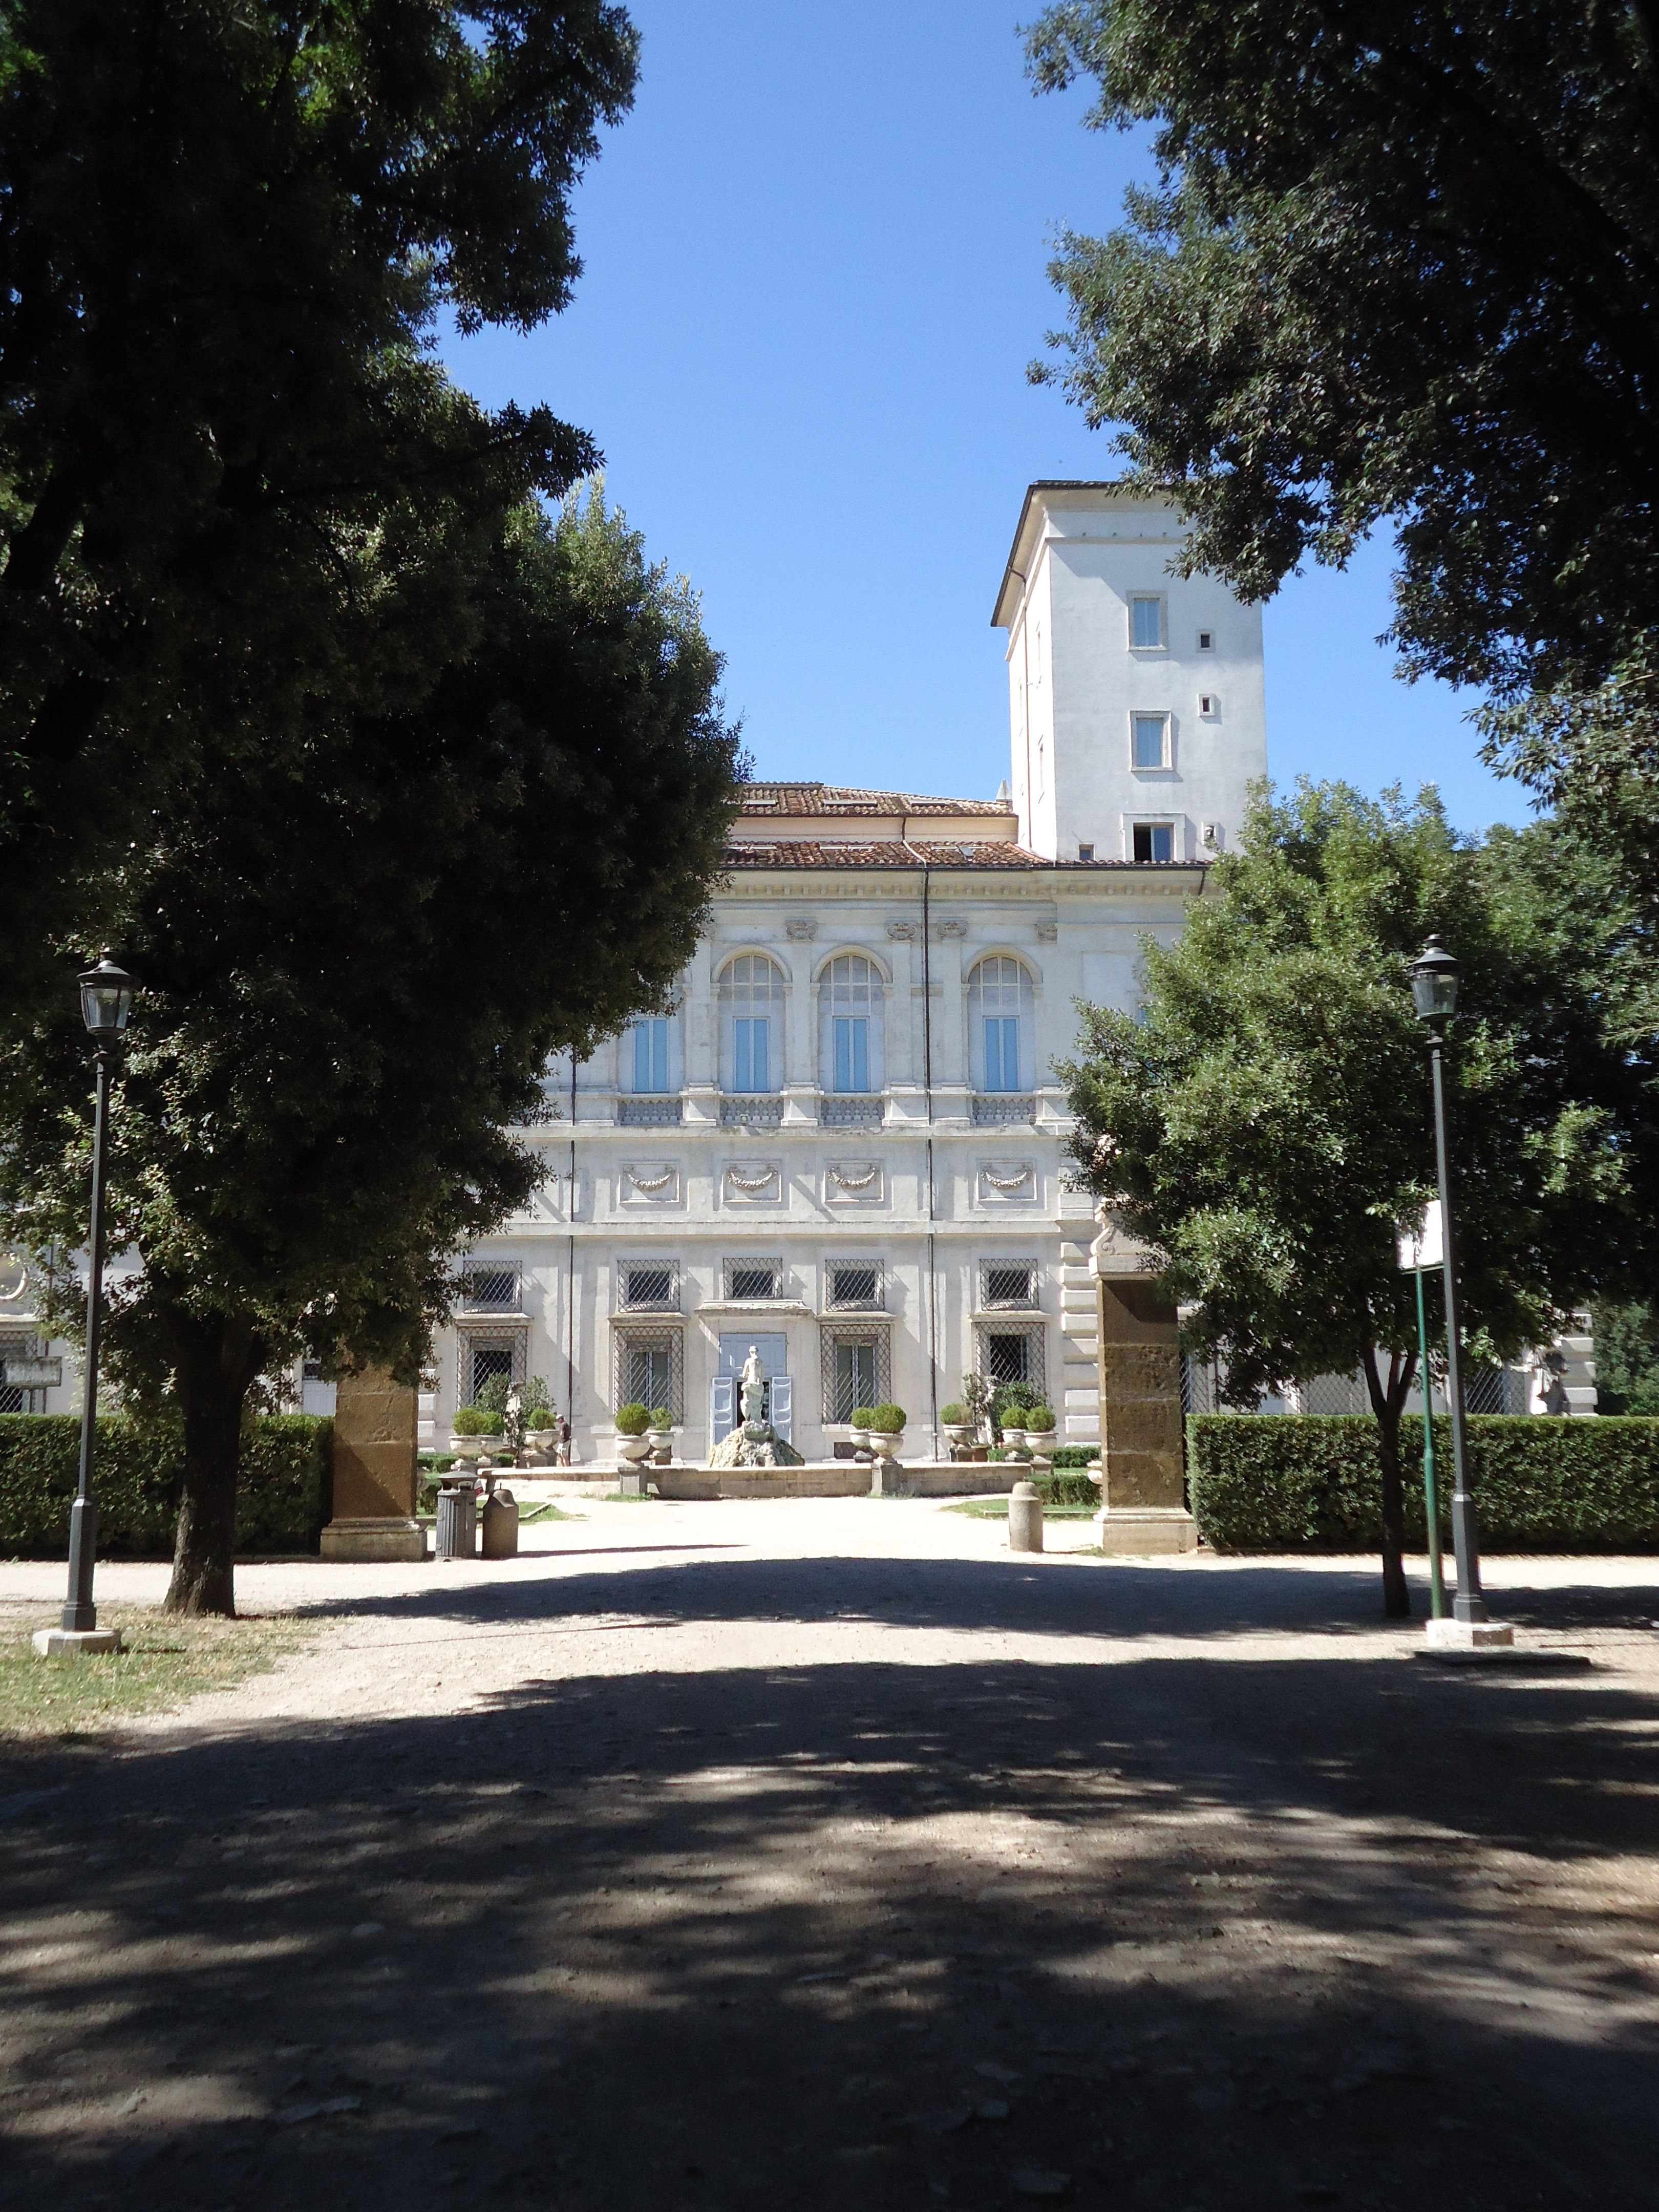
<point>823,1854</point>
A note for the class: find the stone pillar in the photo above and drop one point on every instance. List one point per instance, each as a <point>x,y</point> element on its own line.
<point>1143,1509</point>
<point>375,1471</point>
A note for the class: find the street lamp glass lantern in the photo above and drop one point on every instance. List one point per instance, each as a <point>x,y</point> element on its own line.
<point>1434,983</point>
<point>107,994</point>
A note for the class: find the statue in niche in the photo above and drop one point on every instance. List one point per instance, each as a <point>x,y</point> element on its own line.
<point>753,1441</point>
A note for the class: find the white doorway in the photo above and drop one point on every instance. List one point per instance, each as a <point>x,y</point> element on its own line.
<point>724,1410</point>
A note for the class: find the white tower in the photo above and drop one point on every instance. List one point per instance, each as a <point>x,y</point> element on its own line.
<point>1135,696</point>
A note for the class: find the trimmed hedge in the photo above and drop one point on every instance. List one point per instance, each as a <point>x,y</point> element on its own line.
<point>283,1500</point>
<point>1270,1482</point>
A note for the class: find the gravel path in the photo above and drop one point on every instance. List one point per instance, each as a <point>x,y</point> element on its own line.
<point>900,1872</point>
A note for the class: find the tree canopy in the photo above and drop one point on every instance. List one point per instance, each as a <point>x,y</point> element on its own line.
<point>1265,1123</point>
<point>1402,263</point>
<point>355,960</point>
<point>232,480</point>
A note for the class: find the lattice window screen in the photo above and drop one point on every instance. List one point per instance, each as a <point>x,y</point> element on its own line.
<point>840,1394</point>
<point>641,1359</point>
<point>1008,1353</point>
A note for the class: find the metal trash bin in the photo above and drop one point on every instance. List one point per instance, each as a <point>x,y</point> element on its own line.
<point>458,1520</point>
<point>500,1523</point>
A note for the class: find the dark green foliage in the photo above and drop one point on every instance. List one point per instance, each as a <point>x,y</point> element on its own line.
<point>1265,1482</point>
<point>234,480</point>
<point>1626,1360</point>
<point>1076,1455</point>
<point>1066,1488</point>
<point>632,1419</point>
<point>281,1499</point>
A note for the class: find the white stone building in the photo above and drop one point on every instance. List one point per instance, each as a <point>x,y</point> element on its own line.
<point>843,1145</point>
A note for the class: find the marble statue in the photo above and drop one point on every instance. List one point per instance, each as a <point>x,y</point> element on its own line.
<point>753,1441</point>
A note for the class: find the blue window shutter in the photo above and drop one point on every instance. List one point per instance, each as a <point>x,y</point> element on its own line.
<point>860,1056</point>
<point>660,1055</point>
<point>742,1056</point>
<point>720,1415</point>
<point>758,1035</point>
<point>843,1055</point>
<point>780,1393</point>
<point>1002,1052</point>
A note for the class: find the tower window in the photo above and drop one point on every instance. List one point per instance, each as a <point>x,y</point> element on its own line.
<point>1149,743</point>
<point>1154,842</point>
<point>1207,703</point>
<point>1085,852</point>
<point>1145,623</point>
<point>1206,640</point>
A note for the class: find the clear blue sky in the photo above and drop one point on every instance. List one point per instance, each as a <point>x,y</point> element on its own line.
<point>815,270</point>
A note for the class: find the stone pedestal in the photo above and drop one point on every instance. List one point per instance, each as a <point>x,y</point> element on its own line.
<point>76,1642</point>
<point>1143,1509</point>
<point>375,1471</point>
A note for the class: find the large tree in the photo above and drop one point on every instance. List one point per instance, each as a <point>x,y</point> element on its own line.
<point>1402,265</point>
<point>1266,1121</point>
<point>356,963</point>
<point>231,478</point>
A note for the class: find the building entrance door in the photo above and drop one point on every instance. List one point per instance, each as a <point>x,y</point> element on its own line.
<point>724,1411</point>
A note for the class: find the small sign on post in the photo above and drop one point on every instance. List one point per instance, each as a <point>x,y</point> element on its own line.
<point>1426,1248</point>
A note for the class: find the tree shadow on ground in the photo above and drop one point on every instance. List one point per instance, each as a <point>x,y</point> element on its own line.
<point>1226,1936</point>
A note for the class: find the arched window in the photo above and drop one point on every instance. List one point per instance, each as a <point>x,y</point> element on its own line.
<point>1000,1015</point>
<point>849,1024</point>
<point>751,1024</point>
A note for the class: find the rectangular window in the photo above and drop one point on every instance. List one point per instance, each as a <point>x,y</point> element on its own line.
<point>1145,623</point>
<point>651,1054</point>
<point>1085,852</point>
<point>852,1052</point>
<point>1002,1052</point>
<point>1206,640</point>
<point>1009,1283</point>
<point>750,1055</point>
<point>1149,745</point>
<point>1008,1359</point>
<point>491,1289</point>
<point>1154,840</point>
<point>648,1286</point>
<point>855,1379</point>
<point>854,1283</point>
<point>753,1279</point>
<point>488,1361</point>
<point>648,1375</point>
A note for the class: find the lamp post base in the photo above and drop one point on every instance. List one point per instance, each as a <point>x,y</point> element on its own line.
<point>1467,1635</point>
<point>76,1642</point>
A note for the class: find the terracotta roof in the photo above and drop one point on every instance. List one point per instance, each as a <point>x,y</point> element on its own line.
<point>763,798</point>
<point>939,852</point>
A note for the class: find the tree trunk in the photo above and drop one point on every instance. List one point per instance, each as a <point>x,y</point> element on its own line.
<point>214,1363</point>
<point>1386,1402</point>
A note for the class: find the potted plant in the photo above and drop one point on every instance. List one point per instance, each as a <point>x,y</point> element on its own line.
<point>662,1434</point>
<point>1040,1435</point>
<point>884,1425</point>
<point>540,1433</point>
<point>959,1424</point>
<point>633,1422</point>
<point>862,1447</point>
<point>471,1426</point>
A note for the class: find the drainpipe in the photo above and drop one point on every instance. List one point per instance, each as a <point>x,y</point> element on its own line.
<point>928,1090</point>
<point>570,1271</point>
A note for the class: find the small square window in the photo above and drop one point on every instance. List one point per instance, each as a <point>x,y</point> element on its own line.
<point>1009,1283</point>
<point>1207,703</point>
<point>1154,840</point>
<point>491,1288</point>
<point>753,1279</point>
<point>310,1370</point>
<point>1150,741</point>
<point>1085,852</point>
<point>1206,640</point>
<point>1145,623</point>
<point>854,1283</point>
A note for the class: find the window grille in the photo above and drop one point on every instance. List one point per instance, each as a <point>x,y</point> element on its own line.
<point>1006,1353</point>
<point>1494,1390</point>
<point>649,1370</point>
<point>22,1397</point>
<point>490,1289</point>
<point>855,1370</point>
<point>1008,1283</point>
<point>484,1357</point>
<point>1201,1386</point>
<point>1335,1393</point>
<point>854,1283</point>
<point>310,1370</point>
<point>754,1278</point>
<point>653,1282</point>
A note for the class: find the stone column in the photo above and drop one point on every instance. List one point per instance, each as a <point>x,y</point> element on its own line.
<point>1143,1509</point>
<point>375,1471</point>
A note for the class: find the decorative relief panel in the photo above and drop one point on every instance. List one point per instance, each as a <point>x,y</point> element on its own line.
<point>801,930</point>
<point>649,1182</point>
<point>902,933</point>
<point>752,1183</point>
<point>1007,1182</point>
<point>1047,932</point>
<point>854,1182</point>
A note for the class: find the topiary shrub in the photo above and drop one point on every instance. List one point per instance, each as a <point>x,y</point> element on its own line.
<point>632,1419</point>
<point>662,1419</point>
<point>955,1417</point>
<point>477,1421</point>
<point>1039,1420</point>
<point>538,1417</point>
<point>1278,1483</point>
<point>884,1420</point>
<point>860,1416</point>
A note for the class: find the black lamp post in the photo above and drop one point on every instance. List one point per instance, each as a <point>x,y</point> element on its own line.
<point>1434,987</point>
<point>106,993</point>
